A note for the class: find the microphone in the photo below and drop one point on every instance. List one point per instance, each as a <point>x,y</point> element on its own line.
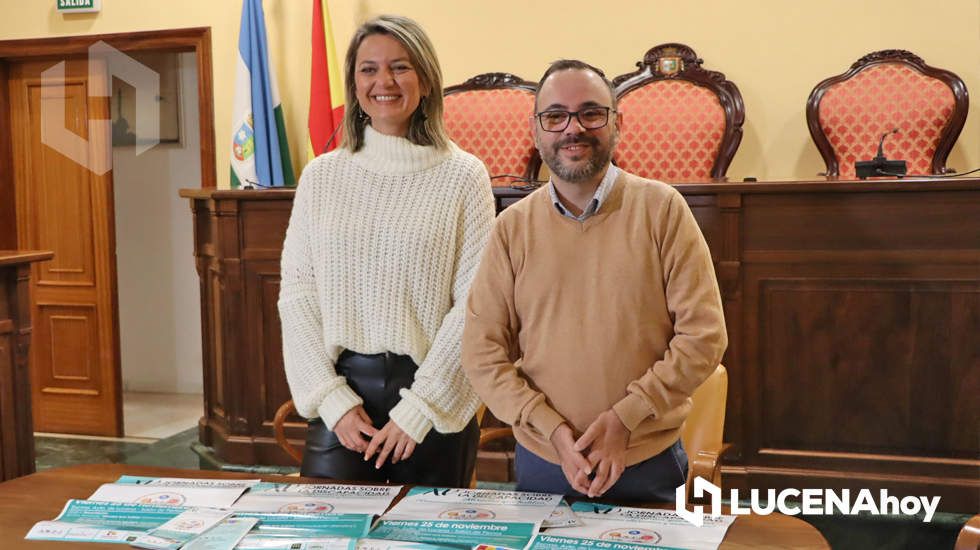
<point>880,166</point>
<point>334,134</point>
<point>881,144</point>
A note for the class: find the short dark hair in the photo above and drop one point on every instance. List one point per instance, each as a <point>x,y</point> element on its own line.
<point>577,65</point>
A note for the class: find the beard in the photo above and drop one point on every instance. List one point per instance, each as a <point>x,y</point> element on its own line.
<point>580,172</point>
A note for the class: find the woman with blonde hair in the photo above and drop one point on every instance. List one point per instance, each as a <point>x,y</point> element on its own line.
<point>385,235</point>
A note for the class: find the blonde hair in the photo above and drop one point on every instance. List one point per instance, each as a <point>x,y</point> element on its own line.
<point>425,126</point>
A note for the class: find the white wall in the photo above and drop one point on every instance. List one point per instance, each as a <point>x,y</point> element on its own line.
<point>159,304</point>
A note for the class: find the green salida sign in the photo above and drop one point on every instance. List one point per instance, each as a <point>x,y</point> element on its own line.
<point>79,6</point>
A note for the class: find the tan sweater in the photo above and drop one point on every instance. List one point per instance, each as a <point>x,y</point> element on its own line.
<point>568,319</point>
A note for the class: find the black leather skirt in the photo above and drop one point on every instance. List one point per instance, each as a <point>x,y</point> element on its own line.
<point>443,460</point>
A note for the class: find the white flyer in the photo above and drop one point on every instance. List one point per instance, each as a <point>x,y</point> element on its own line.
<point>183,528</point>
<point>163,495</point>
<point>74,532</point>
<point>223,536</point>
<point>466,517</point>
<point>633,529</point>
<point>300,498</point>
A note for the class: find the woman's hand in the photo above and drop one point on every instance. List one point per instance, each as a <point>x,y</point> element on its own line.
<point>392,441</point>
<point>350,427</point>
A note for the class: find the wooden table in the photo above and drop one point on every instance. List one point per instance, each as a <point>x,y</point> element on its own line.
<point>25,501</point>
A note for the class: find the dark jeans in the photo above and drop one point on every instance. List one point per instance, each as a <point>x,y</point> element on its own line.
<point>444,460</point>
<point>653,480</point>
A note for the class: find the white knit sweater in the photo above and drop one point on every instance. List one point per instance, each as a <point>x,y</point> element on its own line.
<point>381,247</point>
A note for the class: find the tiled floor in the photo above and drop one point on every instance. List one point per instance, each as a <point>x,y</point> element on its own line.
<point>54,451</point>
<point>160,415</point>
<point>160,429</point>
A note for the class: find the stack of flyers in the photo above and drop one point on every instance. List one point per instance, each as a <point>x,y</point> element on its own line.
<point>122,522</point>
<point>309,525</point>
<point>224,536</point>
<point>114,521</point>
<point>622,528</point>
<point>180,530</point>
<point>372,500</point>
<point>75,532</point>
<point>466,518</point>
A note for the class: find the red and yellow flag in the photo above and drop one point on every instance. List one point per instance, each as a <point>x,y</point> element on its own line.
<point>326,86</point>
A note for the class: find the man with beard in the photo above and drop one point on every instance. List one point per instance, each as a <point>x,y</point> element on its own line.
<point>595,313</point>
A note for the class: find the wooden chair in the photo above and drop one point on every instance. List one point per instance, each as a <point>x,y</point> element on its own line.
<point>848,113</point>
<point>680,122</point>
<point>969,537</point>
<point>284,411</point>
<point>704,428</point>
<point>488,116</point>
<point>701,432</point>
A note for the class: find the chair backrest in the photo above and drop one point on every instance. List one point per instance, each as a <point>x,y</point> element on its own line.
<point>488,116</point>
<point>284,411</point>
<point>705,425</point>
<point>969,537</point>
<point>848,113</point>
<point>680,122</point>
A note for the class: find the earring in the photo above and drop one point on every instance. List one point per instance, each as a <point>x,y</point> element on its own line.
<point>359,113</point>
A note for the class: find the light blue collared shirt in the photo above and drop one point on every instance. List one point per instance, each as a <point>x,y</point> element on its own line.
<point>601,192</point>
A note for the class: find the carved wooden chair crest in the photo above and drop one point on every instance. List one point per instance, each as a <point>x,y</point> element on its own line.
<point>488,116</point>
<point>680,122</point>
<point>884,90</point>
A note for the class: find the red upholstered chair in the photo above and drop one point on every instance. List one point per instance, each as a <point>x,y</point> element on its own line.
<point>680,122</point>
<point>488,116</point>
<point>848,113</point>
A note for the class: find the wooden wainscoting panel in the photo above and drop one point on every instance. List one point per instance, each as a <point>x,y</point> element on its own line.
<point>65,199</point>
<point>263,226</point>
<point>276,389</point>
<point>861,222</point>
<point>216,393</point>
<point>67,379</point>
<point>877,365</point>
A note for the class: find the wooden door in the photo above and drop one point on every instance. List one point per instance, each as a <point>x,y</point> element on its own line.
<point>66,207</point>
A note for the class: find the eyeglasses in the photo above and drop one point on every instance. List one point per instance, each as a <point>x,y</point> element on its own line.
<point>591,118</point>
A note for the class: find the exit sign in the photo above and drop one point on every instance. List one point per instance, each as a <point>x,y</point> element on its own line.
<point>79,6</point>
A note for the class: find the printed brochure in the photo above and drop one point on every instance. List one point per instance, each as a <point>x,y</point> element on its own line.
<point>300,498</point>
<point>623,528</point>
<point>466,518</point>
